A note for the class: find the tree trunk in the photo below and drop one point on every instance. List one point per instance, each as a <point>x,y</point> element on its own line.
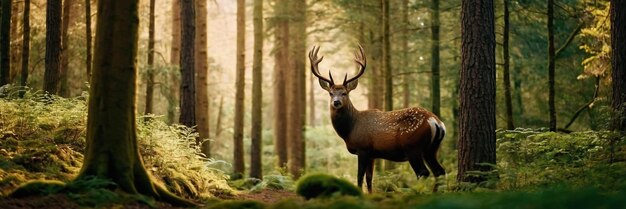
<point>435,93</point>
<point>53,46</point>
<point>256,132</point>
<point>477,139</point>
<point>187,59</point>
<point>618,63</point>
<point>150,70</point>
<point>387,58</point>
<point>25,45</point>
<point>404,42</point>
<point>202,77</point>
<point>15,47</point>
<point>507,63</point>
<point>88,38</point>
<point>220,113</point>
<point>281,65</point>
<point>5,42</point>
<point>112,151</point>
<point>551,62</point>
<point>174,85</point>
<point>239,164</point>
<point>312,111</point>
<point>295,91</point>
<point>64,89</point>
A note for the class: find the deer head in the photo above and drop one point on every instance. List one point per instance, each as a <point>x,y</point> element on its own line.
<point>338,92</point>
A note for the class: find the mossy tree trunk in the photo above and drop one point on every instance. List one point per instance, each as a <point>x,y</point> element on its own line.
<point>112,151</point>
<point>256,133</point>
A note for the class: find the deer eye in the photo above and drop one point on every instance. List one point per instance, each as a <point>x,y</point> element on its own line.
<point>344,94</point>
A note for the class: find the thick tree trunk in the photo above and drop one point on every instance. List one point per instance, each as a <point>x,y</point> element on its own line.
<point>618,63</point>
<point>150,71</point>
<point>5,42</point>
<point>507,65</point>
<point>435,93</point>
<point>295,91</point>
<point>477,124</point>
<point>64,89</point>
<point>239,164</point>
<point>187,64</point>
<point>53,46</point>
<point>25,45</point>
<point>112,151</point>
<point>174,85</point>
<point>551,62</point>
<point>88,38</point>
<point>256,132</point>
<point>202,77</point>
<point>281,65</point>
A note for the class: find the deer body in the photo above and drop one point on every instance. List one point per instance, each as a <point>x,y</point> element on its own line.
<point>411,134</point>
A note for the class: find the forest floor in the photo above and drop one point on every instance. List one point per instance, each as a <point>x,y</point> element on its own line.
<point>62,201</point>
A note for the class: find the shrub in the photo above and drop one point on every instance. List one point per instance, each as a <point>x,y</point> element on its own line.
<point>323,185</point>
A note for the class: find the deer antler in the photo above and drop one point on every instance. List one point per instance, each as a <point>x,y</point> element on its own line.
<point>314,61</point>
<point>361,61</point>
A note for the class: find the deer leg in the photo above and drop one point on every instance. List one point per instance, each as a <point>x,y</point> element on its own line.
<point>417,163</point>
<point>369,174</point>
<point>361,171</point>
<point>431,160</point>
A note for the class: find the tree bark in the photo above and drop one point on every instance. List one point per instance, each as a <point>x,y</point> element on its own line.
<point>202,77</point>
<point>477,124</point>
<point>220,113</point>
<point>404,42</point>
<point>256,132</point>
<point>434,51</point>
<point>281,65</point>
<point>506,72</point>
<point>387,57</point>
<point>295,91</point>
<point>88,38</point>
<point>5,42</point>
<point>238,164</point>
<point>150,71</point>
<point>25,45</point>
<point>64,90</point>
<point>551,65</point>
<point>187,64</point>
<point>112,151</point>
<point>174,75</point>
<point>618,63</point>
<point>53,46</point>
<point>14,45</point>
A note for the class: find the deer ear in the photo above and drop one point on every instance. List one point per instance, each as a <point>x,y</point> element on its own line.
<point>324,84</point>
<point>352,85</point>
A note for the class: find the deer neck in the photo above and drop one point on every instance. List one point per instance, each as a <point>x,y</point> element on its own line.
<point>343,119</point>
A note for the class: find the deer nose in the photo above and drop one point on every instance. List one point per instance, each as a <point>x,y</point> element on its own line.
<point>336,103</point>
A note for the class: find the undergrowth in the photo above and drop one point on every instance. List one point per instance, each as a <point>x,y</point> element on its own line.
<point>43,137</point>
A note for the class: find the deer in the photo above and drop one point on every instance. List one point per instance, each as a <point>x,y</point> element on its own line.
<point>410,134</point>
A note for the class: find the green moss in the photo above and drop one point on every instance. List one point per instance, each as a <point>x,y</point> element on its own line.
<point>323,185</point>
<point>239,204</point>
<point>36,188</point>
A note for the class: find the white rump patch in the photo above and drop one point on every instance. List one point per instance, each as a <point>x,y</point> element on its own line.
<point>433,123</point>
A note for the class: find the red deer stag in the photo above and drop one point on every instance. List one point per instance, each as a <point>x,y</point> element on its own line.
<point>412,134</point>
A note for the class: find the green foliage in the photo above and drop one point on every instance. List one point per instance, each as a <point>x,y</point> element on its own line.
<point>322,186</point>
<point>38,188</point>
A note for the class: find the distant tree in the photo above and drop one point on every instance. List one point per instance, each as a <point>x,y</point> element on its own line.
<point>295,89</point>
<point>53,46</point>
<point>281,35</point>
<point>506,68</point>
<point>25,44</point>
<point>386,60</point>
<point>618,62</point>
<point>187,59</point>
<point>64,90</point>
<point>238,164</point>
<point>5,41</point>
<point>15,45</point>
<point>477,121</point>
<point>88,38</point>
<point>150,71</point>
<point>256,132</point>
<point>202,77</point>
<point>404,44</point>
<point>174,87</point>
<point>112,150</point>
<point>551,65</point>
<point>434,52</point>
